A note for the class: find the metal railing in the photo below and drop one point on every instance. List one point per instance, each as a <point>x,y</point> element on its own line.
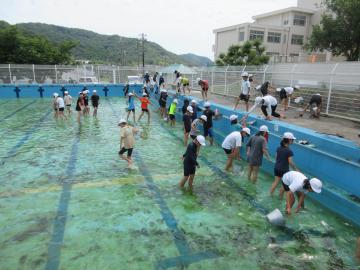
<point>339,83</point>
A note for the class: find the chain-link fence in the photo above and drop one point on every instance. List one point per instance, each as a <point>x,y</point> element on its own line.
<point>338,83</point>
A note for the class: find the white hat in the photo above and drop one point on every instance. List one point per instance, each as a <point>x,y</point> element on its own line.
<point>198,80</point>
<point>297,87</point>
<point>251,75</point>
<point>258,100</point>
<point>122,121</point>
<point>55,94</point>
<point>258,87</point>
<point>278,89</point>
<point>246,130</point>
<point>298,100</point>
<point>207,104</point>
<point>175,101</point>
<point>66,92</point>
<point>316,185</point>
<point>144,94</point>
<point>201,140</point>
<point>87,91</point>
<point>244,74</point>
<point>131,94</point>
<point>264,128</point>
<point>318,94</point>
<point>289,135</point>
<point>80,93</point>
<point>233,117</point>
<point>203,117</point>
<point>189,109</point>
<point>94,91</point>
<point>165,91</point>
<point>193,101</point>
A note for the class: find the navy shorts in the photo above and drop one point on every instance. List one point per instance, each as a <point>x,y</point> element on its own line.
<point>286,187</point>
<point>244,97</point>
<point>208,132</point>
<point>279,173</point>
<point>189,169</point>
<point>227,151</point>
<point>172,116</point>
<point>123,150</point>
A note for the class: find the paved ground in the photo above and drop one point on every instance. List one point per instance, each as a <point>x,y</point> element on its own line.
<point>329,125</point>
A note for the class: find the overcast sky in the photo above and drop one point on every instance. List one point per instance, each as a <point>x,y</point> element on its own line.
<point>181,26</point>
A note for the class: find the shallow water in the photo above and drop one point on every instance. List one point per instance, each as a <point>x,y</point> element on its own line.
<point>68,202</point>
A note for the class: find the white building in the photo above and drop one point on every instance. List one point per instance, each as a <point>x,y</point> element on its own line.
<point>283,32</point>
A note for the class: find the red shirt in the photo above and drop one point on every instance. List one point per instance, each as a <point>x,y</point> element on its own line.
<point>205,85</point>
<point>144,102</point>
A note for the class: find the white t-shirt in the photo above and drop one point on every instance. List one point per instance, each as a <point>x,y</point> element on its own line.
<point>67,99</point>
<point>269,101</point>
<point>60,102</point>
<point>245,87</point>
<point>289,90</point>
<point>232,140</point>
<point>295,181</point>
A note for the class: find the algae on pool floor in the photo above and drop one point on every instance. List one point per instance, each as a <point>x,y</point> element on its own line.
<point>118,218</point>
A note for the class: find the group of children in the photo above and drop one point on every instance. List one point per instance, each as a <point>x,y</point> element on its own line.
<point>82,104</point>
<point>293,182</point>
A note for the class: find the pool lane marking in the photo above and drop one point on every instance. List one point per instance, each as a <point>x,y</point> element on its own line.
<point>12,152</point>
<point>18,110</point>
<point>187,256</point>
<point>57,237</point>
<point>89,184</point>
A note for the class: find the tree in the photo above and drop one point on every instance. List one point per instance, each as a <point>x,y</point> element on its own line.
<point>24,48</point>
<point>250,53</point>
<point>339,30</point>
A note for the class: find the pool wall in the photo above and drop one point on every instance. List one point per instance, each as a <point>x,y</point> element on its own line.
<point>47,90</point>
<point>333,160</point>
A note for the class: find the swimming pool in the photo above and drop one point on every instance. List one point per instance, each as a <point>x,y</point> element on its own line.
<point>68,202</point>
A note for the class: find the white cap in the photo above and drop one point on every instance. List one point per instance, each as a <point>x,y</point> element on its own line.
<point>318,94</point>
<point>207,104</point>
<point>316,185</point>
<point>189,109</point>
<point>251,75</point>
<point>175,101</point>
<point>87,91</point>
<point>258,87</point>
<point>55,94</point>
<point>289,135</point>
<point>258,100</point>
<point>201,140</point>
<point>165,91</point>
<point>278,89</point>
<point>198,80</point>
<point>162,90</point>
<point>203,117</point>
<point>233,117</point>
<point>264,128</point>
<point>246,130</point>
<point>131,94</point>
<point>80,93</point>
<point>297,87</point>
<point>144,94</point>
<point>122,121</point>
<point>66,92</point>
<point>94,91</point>
<point>193,101</point>
<point>244,74</point>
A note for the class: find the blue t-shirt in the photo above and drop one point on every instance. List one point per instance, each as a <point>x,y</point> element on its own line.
<point>282,158</point>
<point>131,103</point>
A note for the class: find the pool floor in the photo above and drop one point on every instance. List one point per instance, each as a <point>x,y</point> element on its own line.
<point>68,202</point>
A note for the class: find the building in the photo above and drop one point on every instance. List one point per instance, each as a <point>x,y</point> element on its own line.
<point>283,32</point>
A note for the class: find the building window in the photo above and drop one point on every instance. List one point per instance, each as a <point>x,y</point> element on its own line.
<point>299,20</point>
<point>241,36</point>
<point>274,37</point>
<point>254,34</point>
<point>286,22</point>
<point>297,39</point>
<point>284,38</point>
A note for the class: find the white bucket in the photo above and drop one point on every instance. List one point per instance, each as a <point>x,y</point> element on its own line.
<point>276,218</point>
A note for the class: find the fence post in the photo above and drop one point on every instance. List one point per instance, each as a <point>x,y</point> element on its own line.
<point>114,76</point>
<point>33,70</point>
<point>192,81</point>
<point>11,81</point>
<point>212,79</point>
<point>226,88</point>
<point>292,74</point>
<point>84,67</point>
<point>264,77</point>
<point>56,78</point>
<point>330,88</point>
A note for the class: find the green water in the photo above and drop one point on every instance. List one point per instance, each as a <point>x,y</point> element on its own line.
<point>114,219</point>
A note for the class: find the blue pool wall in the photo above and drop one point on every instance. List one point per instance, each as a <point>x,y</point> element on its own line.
<point>35,90</point>
<point>333,160</point>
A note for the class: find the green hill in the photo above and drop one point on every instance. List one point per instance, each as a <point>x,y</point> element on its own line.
<point>110,49</point>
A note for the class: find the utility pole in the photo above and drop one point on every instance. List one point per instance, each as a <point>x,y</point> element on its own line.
<point>143,51</point>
